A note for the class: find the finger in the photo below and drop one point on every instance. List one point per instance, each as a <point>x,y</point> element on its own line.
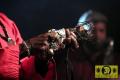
<point>44,46</point>
<point>41,45</point>
<point>67,33</point>
<point>44,35</point>
<point>37,39</point>
<point>73,34</point>
<point>68,39</point>
<point>74,41</point>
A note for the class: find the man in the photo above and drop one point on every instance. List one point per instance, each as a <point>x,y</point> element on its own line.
<point>98,50</point>
<point>10,40</point>
<point>40,65</point>
<point>77,60</point>
<point>37,67</point>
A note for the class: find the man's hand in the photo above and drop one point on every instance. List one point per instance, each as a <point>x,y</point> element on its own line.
<point>41,42</point>
<point>71,38</point>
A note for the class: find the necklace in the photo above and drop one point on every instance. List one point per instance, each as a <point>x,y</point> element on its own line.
<point>6,37</point>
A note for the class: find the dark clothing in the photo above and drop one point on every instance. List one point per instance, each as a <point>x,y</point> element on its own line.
<point>81,62</point>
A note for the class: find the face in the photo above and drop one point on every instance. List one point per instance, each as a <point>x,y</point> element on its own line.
<point>100,32</point>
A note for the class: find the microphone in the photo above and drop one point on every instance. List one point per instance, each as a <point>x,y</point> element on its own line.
<point>83,31</point>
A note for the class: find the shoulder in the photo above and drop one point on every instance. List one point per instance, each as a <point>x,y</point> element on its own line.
<point>4,19</point>
<point>27,60</point>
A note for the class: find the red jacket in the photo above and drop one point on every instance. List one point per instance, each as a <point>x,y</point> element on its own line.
<point>9,54</point>
<point>28,72</point>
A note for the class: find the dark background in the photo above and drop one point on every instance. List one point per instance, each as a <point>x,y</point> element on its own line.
<point>37,16</point>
